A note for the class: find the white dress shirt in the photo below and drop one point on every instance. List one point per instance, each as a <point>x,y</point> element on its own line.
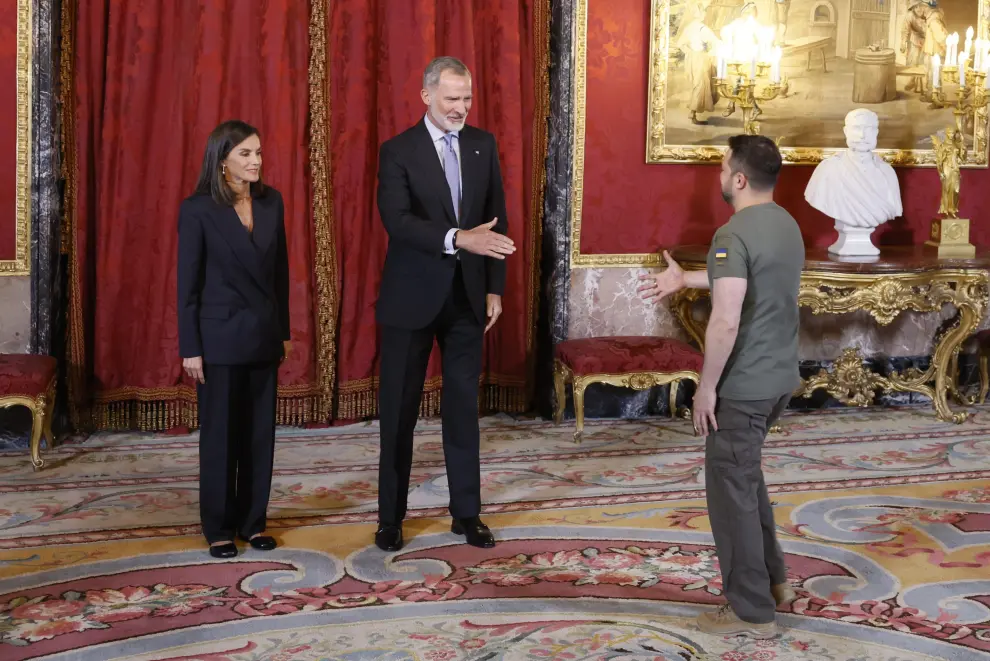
<point>438,142</point>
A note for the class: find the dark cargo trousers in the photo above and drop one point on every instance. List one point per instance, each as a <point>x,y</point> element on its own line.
<point>739,507</point>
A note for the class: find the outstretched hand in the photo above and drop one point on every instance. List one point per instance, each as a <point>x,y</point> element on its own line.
<point>658,286</point>
<point>481,240</point>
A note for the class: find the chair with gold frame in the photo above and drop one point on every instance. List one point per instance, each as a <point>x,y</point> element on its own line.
<point>29,381</point>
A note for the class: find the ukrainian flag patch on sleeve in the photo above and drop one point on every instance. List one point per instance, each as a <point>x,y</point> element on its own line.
<point>721,253</point>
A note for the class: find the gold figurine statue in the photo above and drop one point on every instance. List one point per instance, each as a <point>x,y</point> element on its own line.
<point>950,154</point>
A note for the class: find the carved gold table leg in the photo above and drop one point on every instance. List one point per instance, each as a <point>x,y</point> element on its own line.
<point>673,399</point>
<point>945,353</point>
<point>682,305</point>
<point>964,400</point>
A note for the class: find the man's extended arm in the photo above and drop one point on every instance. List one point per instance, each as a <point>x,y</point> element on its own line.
<point>723,327</point>
<point>696,279</point>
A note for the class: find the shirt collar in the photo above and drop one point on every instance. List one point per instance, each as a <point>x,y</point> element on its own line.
<point>435,133</point>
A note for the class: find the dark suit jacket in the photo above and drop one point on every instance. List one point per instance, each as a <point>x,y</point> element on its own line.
<point>416,209</point>
<point>233,288</point>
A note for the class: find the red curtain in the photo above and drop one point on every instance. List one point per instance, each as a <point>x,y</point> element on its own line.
<point>378,50</point>
<point>150,80</point>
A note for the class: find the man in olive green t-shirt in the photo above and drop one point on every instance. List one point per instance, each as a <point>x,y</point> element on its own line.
<point>750,371</point>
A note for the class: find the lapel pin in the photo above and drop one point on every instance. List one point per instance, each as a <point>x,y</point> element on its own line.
<point>476,151</point>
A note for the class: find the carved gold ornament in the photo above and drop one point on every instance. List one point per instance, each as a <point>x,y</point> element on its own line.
<point>884,297</point>
<point>21,264</point>
<point>562,375</point>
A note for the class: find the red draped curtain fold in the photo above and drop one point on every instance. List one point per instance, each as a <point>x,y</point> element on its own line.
<point>145,81</point>
<point>379,49</point>
<point>149,81</point>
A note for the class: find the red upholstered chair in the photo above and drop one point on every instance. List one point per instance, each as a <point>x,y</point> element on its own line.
<point>630,362</point>
<point>27,380</point>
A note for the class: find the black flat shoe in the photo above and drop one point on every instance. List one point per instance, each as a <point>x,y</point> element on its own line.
<point>388,537</point>
<point>262,543</point>
<point>226,550</point>
<point>475,532</point>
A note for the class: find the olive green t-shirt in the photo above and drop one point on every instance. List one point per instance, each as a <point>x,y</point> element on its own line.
<point>762,244</point>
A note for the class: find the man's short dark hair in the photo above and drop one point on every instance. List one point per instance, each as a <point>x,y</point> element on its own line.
<point>757,157</point>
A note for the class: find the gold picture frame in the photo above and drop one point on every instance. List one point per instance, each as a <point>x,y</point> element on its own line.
<point>579,91</point>
<point>659,149</point>
<point>21,264</point>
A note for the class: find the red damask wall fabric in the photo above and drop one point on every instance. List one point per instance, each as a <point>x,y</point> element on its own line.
<point>631,207</point>
<point>8,129</point>
<point>379,49</point>
<point>151,80</point>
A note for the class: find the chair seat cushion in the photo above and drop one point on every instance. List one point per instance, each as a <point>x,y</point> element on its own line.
<point>623,355</point>
<point>25,375</point>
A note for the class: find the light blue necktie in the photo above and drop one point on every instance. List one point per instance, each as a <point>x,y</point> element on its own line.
<point>453,173</point>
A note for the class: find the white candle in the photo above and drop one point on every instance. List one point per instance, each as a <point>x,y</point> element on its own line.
<point>952,45</point>
<point>977,53</point>
<point>962,69</point>
<point>936,71</point>
<point>752,67</point>
<point>969,40</point>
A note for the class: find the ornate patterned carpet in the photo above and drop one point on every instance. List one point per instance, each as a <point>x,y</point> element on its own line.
<point>604,549</point>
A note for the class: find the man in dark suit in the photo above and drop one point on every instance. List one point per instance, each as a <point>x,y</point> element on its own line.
<point>441,200</point>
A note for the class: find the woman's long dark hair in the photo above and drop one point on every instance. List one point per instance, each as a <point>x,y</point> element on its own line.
<point>221,142</point>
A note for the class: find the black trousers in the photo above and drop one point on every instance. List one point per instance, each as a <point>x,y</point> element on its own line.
<point>739,508</point>
<point>404,358</point>
<point>236,448</point>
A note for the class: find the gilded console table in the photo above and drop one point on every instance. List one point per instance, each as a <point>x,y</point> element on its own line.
<point>901,279</point>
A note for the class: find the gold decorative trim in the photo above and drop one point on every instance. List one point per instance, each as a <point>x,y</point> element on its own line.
<point>75,324</point>
<point>21,264</point>
<point>579,87</point>
<point>637,380</point>
<point>541,138</point>
<point>884,297</point>
<point>358,399</point>
<point>850,381</point>
<point>326,246</point>
<point>659,152</point>
<point>161,409</point>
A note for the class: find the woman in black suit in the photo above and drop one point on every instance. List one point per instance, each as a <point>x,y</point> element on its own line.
<point>233,307</point>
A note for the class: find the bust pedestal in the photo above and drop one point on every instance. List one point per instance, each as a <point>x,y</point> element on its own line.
<point>853,241</point>
<point>950,237</point>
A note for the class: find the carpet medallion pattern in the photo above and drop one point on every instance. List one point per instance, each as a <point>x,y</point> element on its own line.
<point>604,549</point>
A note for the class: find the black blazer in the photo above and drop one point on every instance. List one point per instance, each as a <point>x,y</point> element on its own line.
<point>416,209</point>
<point>233,287</point>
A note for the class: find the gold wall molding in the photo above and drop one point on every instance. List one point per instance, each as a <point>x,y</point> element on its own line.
<point>579,87</point>
<point>21,264</point>
<point>657,151</point>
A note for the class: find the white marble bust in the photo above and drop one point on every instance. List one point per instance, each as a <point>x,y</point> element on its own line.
<point>856,188</point>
